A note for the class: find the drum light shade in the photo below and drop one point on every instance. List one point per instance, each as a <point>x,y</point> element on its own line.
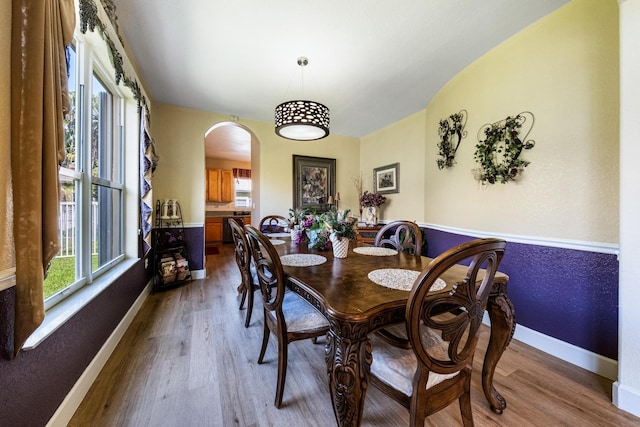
<point>302,120</point>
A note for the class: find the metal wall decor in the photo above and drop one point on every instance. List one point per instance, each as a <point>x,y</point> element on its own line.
<point>451,132</point>
<point>499,147</point>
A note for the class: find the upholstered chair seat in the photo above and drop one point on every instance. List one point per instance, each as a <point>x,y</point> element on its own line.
<point>396,366</point>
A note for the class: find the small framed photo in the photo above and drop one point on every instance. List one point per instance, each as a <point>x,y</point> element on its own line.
<point>386,179</point>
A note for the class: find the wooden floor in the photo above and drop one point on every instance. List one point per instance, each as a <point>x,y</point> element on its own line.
<point>187,360</point>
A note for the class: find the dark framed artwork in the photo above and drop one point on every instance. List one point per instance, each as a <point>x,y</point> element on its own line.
<point>386,179</point>
<point>314,180</point>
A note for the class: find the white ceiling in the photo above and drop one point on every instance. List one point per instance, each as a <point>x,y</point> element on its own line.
<point>372,62</point>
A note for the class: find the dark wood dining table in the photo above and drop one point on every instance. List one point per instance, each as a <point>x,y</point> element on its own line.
<point>356,307</point>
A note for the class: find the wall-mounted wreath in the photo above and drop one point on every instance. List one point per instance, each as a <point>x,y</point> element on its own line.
<point>498,151</point>
<point>451,132</point>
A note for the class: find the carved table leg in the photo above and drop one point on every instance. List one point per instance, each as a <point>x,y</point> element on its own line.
<point>503,325</point>
<point>348,357</point>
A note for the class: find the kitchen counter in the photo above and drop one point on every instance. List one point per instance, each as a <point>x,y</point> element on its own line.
<point>225,214</point>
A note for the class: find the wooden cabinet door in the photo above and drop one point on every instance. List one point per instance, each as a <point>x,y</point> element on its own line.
<point>213,185</point>
<point>226,186</point>
<point>213,230</point>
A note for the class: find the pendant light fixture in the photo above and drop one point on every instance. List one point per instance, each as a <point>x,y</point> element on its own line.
<point>302,120</point>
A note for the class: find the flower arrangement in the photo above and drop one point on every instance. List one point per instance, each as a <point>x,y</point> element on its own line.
<point>296,216</point>
<point>372,199</point>
<point>340,224</point>
<point>317,233</point>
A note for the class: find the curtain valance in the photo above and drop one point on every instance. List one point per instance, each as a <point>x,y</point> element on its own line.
<point>241,173</point>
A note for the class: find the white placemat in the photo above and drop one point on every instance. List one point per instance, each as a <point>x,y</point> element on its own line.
<point>396,278</point>
<point>302,260</point>
<point>276,242</point>
<point>272,235</point>
<point>375,251</point>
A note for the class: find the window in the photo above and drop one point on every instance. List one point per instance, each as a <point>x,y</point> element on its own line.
<point>91,178</point>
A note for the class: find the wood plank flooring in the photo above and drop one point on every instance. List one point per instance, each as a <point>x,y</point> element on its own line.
<point>187,360</point>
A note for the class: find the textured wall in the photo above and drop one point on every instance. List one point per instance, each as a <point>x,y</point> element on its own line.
<point>567,294</point>
<point>34,384</point>
<point>564,69</point>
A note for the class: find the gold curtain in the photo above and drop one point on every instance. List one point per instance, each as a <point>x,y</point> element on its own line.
<point>40,31</point>
<point>7,255</point>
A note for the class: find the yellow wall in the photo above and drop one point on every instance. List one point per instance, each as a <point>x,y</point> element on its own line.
<point>565,70</point>
<point>401,142</point>
<point>179,136</point>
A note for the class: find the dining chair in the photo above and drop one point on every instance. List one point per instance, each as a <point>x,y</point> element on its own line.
<point>286,315</point>
<point>435,370</point>
<point>273,224</point>
<point>403,236</point>
<point>249,283</point>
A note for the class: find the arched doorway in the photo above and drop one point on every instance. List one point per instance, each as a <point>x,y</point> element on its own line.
<point>232,184</point>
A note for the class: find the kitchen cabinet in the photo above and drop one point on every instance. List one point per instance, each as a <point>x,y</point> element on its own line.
<point>219,185</point>
<point>213,230</point>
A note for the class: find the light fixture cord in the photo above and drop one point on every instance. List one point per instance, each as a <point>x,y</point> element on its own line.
<point>302,81</point>
<point>284,97</point>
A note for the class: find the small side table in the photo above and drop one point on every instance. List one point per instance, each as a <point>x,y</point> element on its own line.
<point>367,234</point>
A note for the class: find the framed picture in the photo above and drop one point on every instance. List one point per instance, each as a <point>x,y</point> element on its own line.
<point>386,179</point>
<point>314,180</point>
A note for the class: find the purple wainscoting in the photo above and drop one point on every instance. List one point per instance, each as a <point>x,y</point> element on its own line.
<point>33,385</point>
<point>194,236</point>
<point>568,294</point>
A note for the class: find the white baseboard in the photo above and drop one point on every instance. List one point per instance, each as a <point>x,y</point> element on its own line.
<point>626,398</point>
<point>198,274</point>
<point>585,359</point>
<point>68,407</point>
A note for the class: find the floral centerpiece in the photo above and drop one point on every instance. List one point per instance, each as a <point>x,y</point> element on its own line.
<point>342,228</point>
<point>317,233</point>
<point>341,224</point>
<point>296,216</point>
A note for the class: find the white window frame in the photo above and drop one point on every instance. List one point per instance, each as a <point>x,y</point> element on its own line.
<point>90,61</point>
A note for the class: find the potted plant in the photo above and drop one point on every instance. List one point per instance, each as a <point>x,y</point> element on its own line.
<point>342,228</point>
<point>296,216</point>
<point>371,202</point>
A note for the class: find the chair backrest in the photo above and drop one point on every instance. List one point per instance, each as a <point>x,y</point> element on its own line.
<point>406,236</point>
<point>272,224</point>
<point>268,269</point>
<point>242,250</point>
<point>453,319</point>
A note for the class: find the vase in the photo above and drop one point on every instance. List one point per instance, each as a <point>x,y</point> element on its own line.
<point>371,215</point>
<point>165,209</point>
<point>173,208</point>
<point>340,246</point>
<point>296,234</point>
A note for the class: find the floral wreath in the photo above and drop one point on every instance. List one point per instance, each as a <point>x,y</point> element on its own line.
<point>449,130</point>
<point>498,154</point>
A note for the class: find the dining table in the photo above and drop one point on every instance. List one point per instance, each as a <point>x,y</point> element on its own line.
<point>356,306</point>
